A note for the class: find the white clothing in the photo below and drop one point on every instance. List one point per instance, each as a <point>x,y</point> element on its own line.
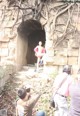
<point>20,110</point>
<point>64,89</point>
<point>61,105</point>
<point>61,87</point>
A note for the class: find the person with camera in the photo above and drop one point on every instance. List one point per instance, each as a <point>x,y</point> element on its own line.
<point>26,103</point>
<point>61,91</point>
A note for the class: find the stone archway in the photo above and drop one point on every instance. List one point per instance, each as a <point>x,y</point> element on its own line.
<point>30,32</point>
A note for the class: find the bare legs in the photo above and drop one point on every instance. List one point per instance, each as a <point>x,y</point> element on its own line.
<point>38,60</point>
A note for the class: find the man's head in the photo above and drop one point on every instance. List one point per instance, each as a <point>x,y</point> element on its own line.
<point>67,69</point>
<point>23,92</point>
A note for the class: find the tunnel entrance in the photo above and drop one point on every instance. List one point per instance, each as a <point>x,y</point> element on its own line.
<point>30,32</point>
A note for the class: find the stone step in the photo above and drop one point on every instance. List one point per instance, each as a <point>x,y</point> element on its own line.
<point>28,67</point>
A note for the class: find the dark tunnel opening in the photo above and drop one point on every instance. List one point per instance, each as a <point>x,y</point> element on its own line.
<point>31,31</point>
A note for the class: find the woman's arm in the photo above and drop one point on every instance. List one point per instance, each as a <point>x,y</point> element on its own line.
<point>36,49</point>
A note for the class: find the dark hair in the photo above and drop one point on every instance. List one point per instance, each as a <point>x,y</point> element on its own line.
<point>28,90</point>
<point>67,69</point>
<point>22,93</point>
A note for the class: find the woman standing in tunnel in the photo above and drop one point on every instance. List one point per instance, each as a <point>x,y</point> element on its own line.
<point>39,53</point>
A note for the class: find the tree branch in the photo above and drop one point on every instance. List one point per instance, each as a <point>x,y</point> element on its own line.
<point>60,13</point>
<point>59,40</point>
<point>28,8</point>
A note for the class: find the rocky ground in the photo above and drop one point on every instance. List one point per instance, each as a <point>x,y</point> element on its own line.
<point>40,81</point>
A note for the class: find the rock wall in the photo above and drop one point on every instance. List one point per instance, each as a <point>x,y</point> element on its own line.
<point>7,50</point>
<point>55,59</point>
<point>67,53</point>
<point>21,53</point>
<point>6,72</point>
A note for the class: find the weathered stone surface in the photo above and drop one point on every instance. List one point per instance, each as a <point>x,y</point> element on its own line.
<point>0,44</point>
<point>9,60</point>
<point>73,52</point>
<point>3,60</point>
<point>78,26</point>
<point>74,43</point>
<point>0,51</point>
<point>50,53</point>
<point>4,52</point>
<point>56,60</point>
<point>62,52</point>
<point>49,59</point>
<point>59,57</point>
<point>79,59</point>
<point>75,69</point>
<point>49,44</point>
<point>4,38</point>
<point>11,44</point>
<point>4,45</point>
<point>60,60</point>
<point>12,52</point>
<point>72,60</point>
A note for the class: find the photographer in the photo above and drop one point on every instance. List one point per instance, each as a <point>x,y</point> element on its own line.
<point>26,103</point>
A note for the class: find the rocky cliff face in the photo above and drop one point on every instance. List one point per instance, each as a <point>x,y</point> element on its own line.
<point>60,22</point>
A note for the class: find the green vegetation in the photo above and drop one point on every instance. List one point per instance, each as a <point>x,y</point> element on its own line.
<point>2,72</point>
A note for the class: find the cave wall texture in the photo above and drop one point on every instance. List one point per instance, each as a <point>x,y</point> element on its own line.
<point>56,24</point>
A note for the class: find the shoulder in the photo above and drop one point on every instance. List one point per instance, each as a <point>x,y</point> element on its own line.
<point>19,105</point>
<point>62,75</point>
<point>18,101</point>
<point>70,78</point>
<point>59,78</point>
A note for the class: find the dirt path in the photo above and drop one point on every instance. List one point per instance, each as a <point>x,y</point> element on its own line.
<point>38,80</point>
